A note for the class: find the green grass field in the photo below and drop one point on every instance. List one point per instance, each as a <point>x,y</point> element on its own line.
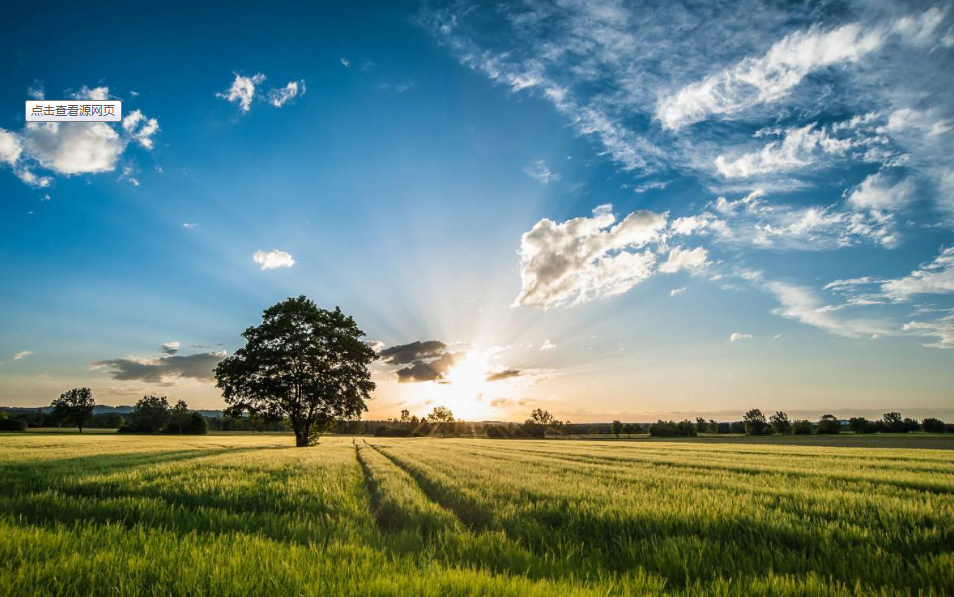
<point>240,515</point>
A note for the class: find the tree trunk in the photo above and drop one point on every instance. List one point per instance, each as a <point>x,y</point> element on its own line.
<point>301,435</point>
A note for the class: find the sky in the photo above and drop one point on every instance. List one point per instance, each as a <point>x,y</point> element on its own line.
<point>604,209</point>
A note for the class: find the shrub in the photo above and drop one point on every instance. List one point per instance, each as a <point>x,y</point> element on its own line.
<point>12,425</point>
<point>385,431</point>
<point>664,429</point>
<point>802,427</point>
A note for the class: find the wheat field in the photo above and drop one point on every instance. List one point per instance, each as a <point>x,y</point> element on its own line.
<point>249,515</point>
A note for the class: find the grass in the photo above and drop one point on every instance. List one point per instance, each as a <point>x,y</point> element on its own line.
<point>249,515</point>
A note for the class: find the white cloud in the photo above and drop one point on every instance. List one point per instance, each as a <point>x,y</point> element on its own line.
<point>345,62</point>
<point>36,90</point>
<point>921,30</point>
<point>97,93</point>
<point>171,347</point>
<point>547,345</point>
<point>878,191</point>
<point>802,304</point>
<point>736,336</point>
<point>936,277</point>
<point>768,78</point>
<point>676,291</point>
<point>190,225</point>
<point>141,128</point>
<point>273,259</point>
<point>586,258</point>
<point>242,91</point>
<point>10,147</point>
<point>539,172</point>
<point>798,148</point>
<point>22,354</point>
<point>942,329</point>
<point>687,259</point>
<point>73,147</point>
<point>279,97</point>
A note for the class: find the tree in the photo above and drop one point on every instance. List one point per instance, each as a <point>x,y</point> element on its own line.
<point>150,415</point>
<point>860,425</point>
<point>405,416</point>
<point>781,424</point>
<point>829,425</point>
<point>701,425</point>
<point>932,425</point>
<point>442,416</point>
<point>303,363</point>
<point>802,427</point>
<point>593,430</point>
<point>541,417</point>
<point>755,423</point>
<point>687,428</point>
<point>617,428</point>
<point>893,423</point>
<point>74,406</point>
<point>179,418</point>
<point>629,429</point>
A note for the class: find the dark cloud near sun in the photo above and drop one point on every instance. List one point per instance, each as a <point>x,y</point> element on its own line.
<point>505,374</point>
<point>433,370</point>
<point>163,370</point>
<point>413,352</point>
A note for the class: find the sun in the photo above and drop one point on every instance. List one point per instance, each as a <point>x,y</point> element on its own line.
<point>464,389</point>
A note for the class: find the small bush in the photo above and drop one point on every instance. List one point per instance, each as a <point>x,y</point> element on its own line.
<point>12,425</point>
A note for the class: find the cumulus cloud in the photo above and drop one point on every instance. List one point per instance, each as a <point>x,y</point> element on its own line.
<point>540,172</point>
<point>96,93</point>
<point>73,147</point>
<point>279,97</point>
<point>171,347</point>
<point>586,258</point>
<point>736,336</point>
<point>685,259</point>
<point>22,354</point>
<point>10,147</point>
<point>70,148</point>
<point>273,259</point>
<point>164,370</point>
<point>242,90</point>
<point>768,78</point>
<point>879,191</point>
<point>936,277</point>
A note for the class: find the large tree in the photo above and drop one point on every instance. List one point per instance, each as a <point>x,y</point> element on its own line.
<point>302,363</point>
<point>74,406</point>
<point>443,417</point>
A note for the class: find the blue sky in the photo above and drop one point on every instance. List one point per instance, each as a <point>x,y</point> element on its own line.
<point>606,209</point>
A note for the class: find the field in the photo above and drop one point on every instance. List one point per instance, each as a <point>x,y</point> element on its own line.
<point>240,515</point>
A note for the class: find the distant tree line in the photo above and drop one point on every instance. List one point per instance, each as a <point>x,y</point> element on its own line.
<point>74,408</point>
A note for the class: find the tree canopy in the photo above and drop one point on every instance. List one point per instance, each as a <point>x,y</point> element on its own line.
<point>303,363</point>
<point>74,406</point>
